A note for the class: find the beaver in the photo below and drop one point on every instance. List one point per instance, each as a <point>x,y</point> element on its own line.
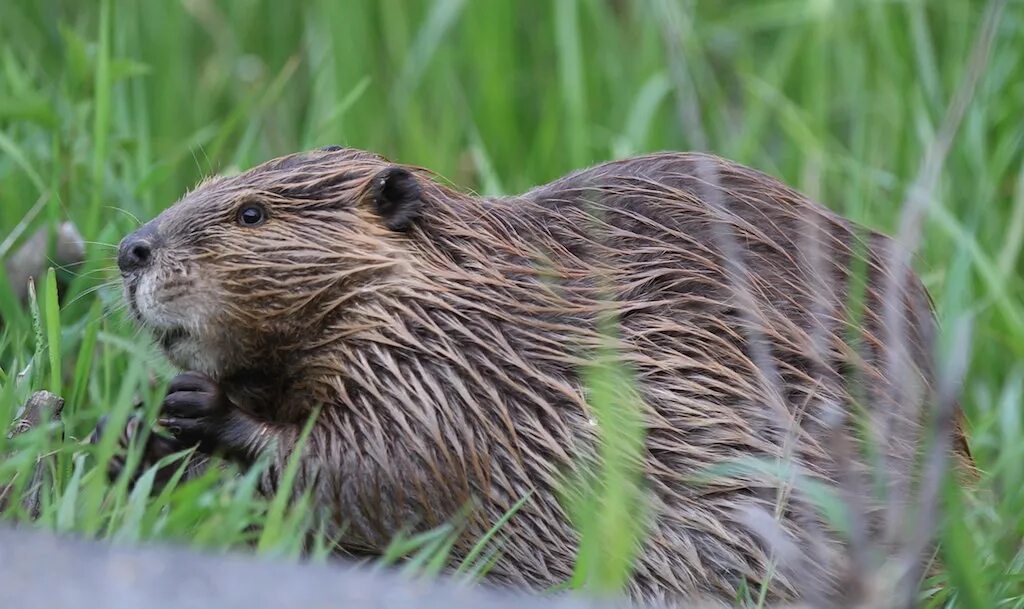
<point>439,338</point>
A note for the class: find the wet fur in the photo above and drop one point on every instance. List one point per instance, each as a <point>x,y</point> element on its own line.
<point>445,351</point>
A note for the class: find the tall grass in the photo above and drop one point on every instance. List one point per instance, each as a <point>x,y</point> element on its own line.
<point>110,110</point>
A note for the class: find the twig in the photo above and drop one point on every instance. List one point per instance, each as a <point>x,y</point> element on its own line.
<point>41,408</point>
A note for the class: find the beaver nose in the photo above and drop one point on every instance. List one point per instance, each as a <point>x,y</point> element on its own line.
<point>136,250</point>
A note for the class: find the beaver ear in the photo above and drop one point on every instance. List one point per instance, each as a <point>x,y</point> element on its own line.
<point>396,197</point>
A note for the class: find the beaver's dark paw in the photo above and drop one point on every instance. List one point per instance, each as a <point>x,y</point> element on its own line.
<point>117,461</point>
<point>157,447</point>
<point>195,411</point>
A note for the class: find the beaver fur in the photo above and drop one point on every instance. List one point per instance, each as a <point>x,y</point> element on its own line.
<point>442,335</point>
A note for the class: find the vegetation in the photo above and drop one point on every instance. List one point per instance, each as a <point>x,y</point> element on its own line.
<point>110,110</point>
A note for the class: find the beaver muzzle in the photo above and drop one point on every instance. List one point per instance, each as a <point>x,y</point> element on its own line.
<point>137,258</point>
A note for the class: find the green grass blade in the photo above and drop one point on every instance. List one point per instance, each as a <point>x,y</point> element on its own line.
<point>53,331</point>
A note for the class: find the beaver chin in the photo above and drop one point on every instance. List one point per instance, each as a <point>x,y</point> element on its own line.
<point>189,352</point>
<point>176,321</point>
<point>169,338</point>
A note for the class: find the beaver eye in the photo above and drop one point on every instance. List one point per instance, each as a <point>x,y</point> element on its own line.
<point>252,214</point>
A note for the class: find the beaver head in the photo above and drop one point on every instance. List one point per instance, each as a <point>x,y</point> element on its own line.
<point>268,251</point>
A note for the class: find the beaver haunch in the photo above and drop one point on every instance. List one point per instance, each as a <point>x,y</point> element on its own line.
<point>443,335</point>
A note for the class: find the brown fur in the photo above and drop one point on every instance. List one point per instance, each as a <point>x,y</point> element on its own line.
<point>447,356</point>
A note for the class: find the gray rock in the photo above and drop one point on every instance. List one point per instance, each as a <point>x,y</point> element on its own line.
<point>39,569</point>
<point>30,260</point>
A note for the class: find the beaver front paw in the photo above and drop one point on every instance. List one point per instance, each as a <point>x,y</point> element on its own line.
<point>156,448</point>
<point>196,412</point>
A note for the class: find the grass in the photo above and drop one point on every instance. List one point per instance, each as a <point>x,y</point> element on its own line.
<point>110,110</point>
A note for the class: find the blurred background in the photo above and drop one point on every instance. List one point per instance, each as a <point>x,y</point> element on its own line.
<point>110,110</point>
